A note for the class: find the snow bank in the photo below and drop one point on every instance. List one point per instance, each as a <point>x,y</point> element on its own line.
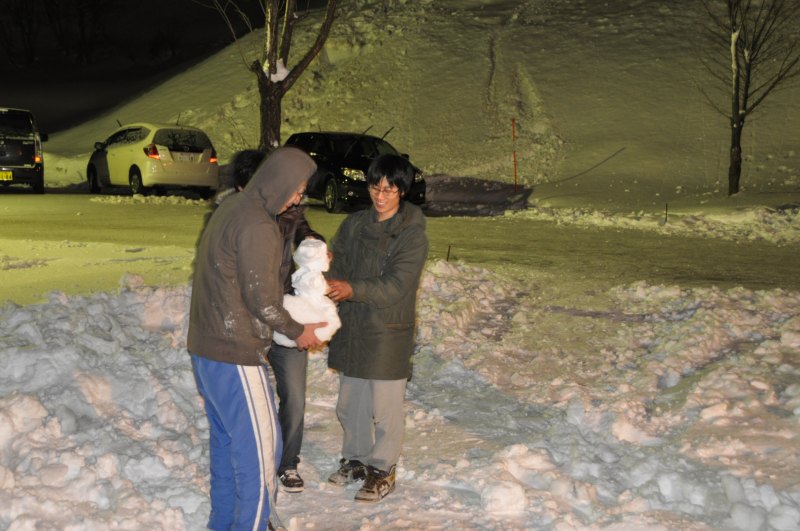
<point>779,225</point>
<point>684,411</point>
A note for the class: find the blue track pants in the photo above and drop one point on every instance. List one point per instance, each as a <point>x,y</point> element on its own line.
<point>245,443</point>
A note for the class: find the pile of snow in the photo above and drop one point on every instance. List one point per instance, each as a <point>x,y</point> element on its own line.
<point>149,199</point>
<point>101,421</point>
<point>658,407</point>
<point>779,225</point>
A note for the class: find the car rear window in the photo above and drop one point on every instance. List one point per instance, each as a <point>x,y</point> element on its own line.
<point>13,122</point>
<point>183,140</point>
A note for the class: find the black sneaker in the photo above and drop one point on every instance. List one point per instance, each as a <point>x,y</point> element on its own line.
<point>379,483</point>
<point>349,472</point>
<point>291,481</point>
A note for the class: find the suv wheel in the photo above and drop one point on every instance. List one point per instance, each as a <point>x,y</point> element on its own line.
<point>331,196</point>
<point>38,186</point>
<point>135,179</point>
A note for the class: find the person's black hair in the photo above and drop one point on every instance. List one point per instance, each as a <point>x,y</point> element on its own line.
<point>245,163</point>
<point>398,171</point>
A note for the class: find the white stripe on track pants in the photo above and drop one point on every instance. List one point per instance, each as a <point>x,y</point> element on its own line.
<point>245,443</point>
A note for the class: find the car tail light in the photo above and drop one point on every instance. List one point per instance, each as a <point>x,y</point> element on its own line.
<point>213,158</point>
<point>37,151</point>
<point>151,151</point>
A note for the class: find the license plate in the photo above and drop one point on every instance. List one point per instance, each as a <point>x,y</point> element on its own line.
<point>6,176</point>
<point>185,157</point>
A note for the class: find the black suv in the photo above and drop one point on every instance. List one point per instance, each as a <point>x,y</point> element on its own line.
<point>342,161</point>
<point>21,160</point>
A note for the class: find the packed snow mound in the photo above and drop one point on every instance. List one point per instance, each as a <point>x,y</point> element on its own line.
<point>779,225</point>
<point>684,410</point>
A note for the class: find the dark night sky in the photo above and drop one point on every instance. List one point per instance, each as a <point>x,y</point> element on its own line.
<point>141,47</point>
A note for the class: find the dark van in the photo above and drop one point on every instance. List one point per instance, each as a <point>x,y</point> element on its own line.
<point>21,159</point>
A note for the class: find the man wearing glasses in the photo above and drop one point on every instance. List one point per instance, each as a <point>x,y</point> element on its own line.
<point>378,256</point>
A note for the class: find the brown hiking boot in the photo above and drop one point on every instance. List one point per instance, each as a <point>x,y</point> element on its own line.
<point>349,472</point>
<point>379,483</point>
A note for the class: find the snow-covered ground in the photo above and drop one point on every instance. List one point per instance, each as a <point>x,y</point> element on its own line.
<point>679,411</point>
<point>539,400</point>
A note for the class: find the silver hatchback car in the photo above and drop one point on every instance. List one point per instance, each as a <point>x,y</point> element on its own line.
<point>149,157</point>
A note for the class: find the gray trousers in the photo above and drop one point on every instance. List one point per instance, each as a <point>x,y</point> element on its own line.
<point>373,419</point>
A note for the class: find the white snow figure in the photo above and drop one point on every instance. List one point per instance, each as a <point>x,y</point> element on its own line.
<point>309,303</point>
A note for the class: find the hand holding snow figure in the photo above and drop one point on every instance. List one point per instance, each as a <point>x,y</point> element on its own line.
<point>309,304</point>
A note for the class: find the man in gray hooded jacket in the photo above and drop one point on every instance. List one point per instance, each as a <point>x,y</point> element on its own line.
<point>237,303</point>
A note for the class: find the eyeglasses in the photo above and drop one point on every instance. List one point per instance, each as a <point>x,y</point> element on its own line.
<point>376,190</point>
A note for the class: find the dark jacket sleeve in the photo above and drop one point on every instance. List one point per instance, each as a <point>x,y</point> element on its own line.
<point>259,248</point>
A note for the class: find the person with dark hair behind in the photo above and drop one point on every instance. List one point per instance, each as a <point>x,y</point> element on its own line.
<point>378,256</point>
<point>290,365</point>
<point>233,177</point>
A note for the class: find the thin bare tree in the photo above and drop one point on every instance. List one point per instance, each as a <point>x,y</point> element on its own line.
<point>78,25</point>
<point>271,62</point>
<point>20,26</point>
<point>756,51</point>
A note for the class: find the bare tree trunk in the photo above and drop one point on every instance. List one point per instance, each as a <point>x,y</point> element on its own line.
<point>270,96</point>
<point>270,108</point>
<point>272,91</point>
<point>280,18</point>
<point>764,53</point>
<point>735,165</point>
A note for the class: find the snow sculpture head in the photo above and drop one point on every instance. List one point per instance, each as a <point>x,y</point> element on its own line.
<point>309,304</point>
<point>311,258</point>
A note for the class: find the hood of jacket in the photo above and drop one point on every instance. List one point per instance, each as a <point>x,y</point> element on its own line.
<point>279,177</point>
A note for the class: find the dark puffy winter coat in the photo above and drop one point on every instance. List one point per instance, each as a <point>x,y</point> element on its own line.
<point>383,263</point>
